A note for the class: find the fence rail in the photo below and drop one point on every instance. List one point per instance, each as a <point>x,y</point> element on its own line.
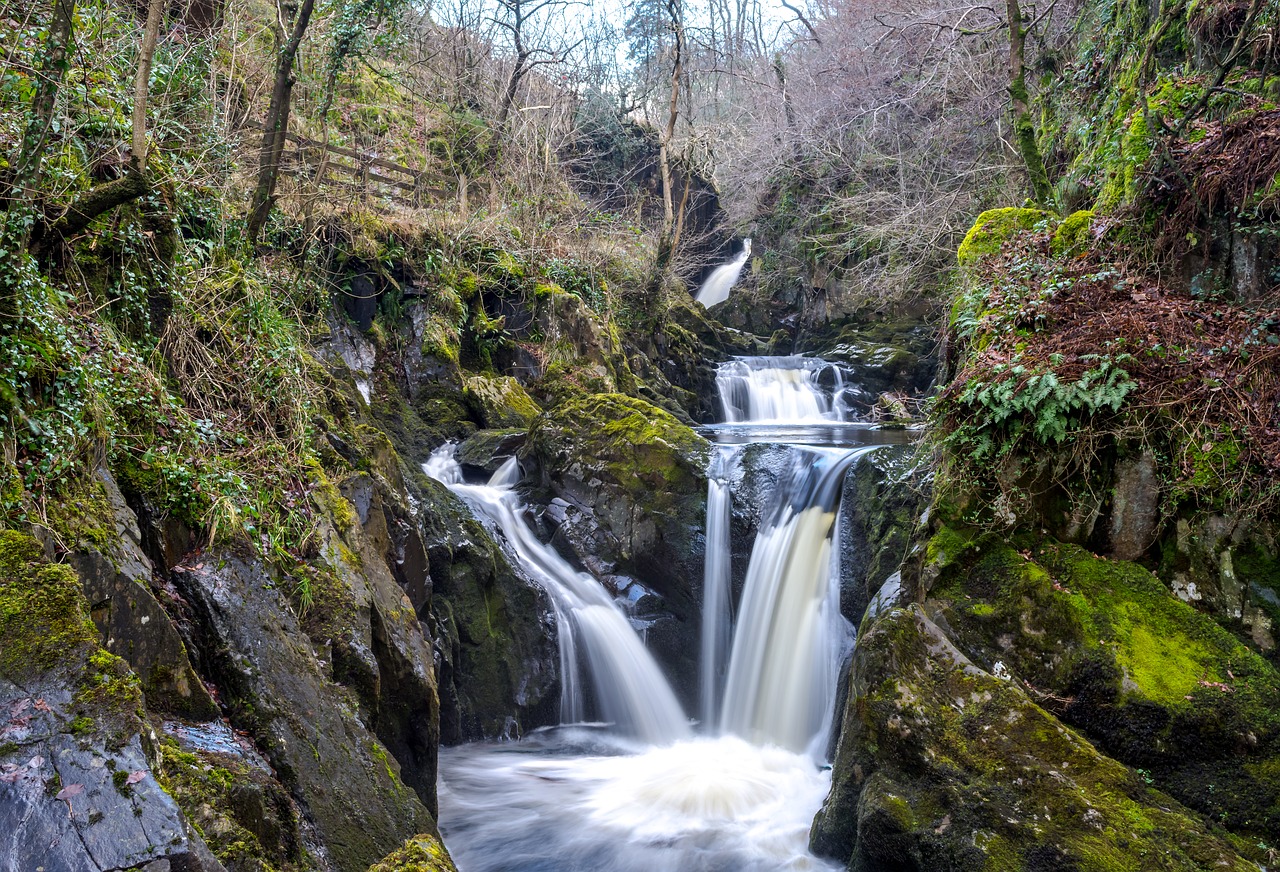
<point>360,175</point>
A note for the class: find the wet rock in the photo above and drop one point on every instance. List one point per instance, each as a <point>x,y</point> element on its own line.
<point>116,577</point>
<point>1110,651</point>
<point>77,790</point>
<point>278,689</point>
<point>419,854</point>
<point>486,450</point>
<point>495,636</point>
<point>500,402</point>
<point>633,478</point>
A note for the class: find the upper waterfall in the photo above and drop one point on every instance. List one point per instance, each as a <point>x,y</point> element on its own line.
<point>781,390</point>
<point>717,286</point>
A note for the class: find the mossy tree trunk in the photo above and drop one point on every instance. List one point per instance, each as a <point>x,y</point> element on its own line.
<point>276,127</point>
<point>1024,130</point>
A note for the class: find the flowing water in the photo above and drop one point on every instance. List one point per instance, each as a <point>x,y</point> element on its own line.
<point>716,288</point>
<point>641,791</point>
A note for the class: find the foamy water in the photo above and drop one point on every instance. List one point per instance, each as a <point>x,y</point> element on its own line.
<point>573,799</point>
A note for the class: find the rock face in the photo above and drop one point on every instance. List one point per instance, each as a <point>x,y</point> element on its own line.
<point>633,483</point>
<point>496,639</point>
<point>945,765</point>
<point>117,579</point>
<point>77,789</point>
<point>281,690</point>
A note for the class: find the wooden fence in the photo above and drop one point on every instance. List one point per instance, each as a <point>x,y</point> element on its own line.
<point>363,174</point>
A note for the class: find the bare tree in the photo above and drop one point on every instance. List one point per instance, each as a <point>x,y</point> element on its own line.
<point>516,18</point>
<point>276,126</point>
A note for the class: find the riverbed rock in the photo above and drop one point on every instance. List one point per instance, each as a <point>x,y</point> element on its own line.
<point>945,765</point>
<point>423,853</point>
<point>500,402</point>
<point>495,635</point>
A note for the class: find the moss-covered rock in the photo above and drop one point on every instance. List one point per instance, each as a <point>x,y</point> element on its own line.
<point>994,227</point>
<point>634,481</point>
<point>494,632</point>
<point>78,790</point>
<point>1106,646</point>
<point>944,765</point>
<point>500,402</point>
<point>1073,234</point>
<point>419,854</point>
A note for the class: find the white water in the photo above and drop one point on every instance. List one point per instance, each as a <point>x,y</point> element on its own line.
<point>567,801</point>
<point>774,390</point>
<point>582,799</point>
<point>716,579</point>
<point>629,686</point>
<point>715,289</point>
<point>791,638</point>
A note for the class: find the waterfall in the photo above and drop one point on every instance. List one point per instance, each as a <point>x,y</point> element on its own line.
<point>791,637</point>
<point>780,389</point>
<point>717,286</point>
<point>629,686</point>
<point>716,626</point>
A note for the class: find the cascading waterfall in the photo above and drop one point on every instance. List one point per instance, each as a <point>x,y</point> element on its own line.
<point>768,390</point>
<point>716,288</point>
<point>716,578</point>
<point>629,686</point>
<point>791,637</point>
<point>741,796</point>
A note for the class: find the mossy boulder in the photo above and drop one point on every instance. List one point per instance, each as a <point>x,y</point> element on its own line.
<point>420,854</point>
<point>945,765</point>
<point>495,635</point>
<point>1108,648</point>
<point>499,402</point>
<point>994,227</point>
<point>77,789</point>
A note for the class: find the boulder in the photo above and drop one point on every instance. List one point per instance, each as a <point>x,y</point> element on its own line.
<point>77,788</point>
<point>945,765</point>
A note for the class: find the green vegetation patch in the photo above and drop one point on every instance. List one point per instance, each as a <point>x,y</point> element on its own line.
<point>423,853</point>
<point>996,226</point>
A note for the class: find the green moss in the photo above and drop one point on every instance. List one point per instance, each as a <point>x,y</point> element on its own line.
<point>247,820</point>
<point>500,401</point>
<point>423,853</point>
<point>1072,235</point>
<point>43,619</point>
<point>994,227</point>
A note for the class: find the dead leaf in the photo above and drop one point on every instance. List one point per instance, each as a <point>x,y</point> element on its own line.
<point>135,777</point>
<point>70,790</point>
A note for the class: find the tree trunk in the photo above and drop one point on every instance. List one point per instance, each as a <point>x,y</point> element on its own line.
<point>1024,130</point>
<point>276,126</point>
<point>142,82</point>
<point>666,249</point>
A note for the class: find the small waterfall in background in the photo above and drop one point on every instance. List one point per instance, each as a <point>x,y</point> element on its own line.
<point>741,795</point>
<point>716,580</point>
<point>716,288</point>
<point>629,686</point>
